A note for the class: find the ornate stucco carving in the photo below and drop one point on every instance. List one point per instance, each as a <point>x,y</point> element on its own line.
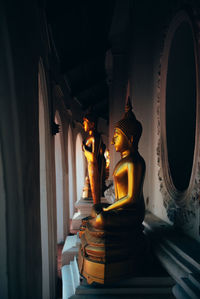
<point>180,206</point>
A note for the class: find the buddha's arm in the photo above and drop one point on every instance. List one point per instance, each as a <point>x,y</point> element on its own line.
<point>90,155</point>
<point>134,184</point>
<point>90,141</point>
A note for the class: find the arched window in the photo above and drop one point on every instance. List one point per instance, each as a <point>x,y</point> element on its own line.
<point>80,166</point>
<point>70,173</point>
<point>178,106</point>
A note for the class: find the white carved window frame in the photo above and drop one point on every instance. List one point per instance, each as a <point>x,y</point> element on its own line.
<point>180,205</point>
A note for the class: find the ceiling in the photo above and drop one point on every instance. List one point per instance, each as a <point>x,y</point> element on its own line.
<point>80,30</point>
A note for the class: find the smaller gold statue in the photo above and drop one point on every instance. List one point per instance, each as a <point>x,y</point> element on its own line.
<point>87,193</point>
<point>107,157</point>
<point>94,148</point>
<point>113,244</point>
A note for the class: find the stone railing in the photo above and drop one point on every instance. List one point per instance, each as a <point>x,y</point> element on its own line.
<point>178,254</point>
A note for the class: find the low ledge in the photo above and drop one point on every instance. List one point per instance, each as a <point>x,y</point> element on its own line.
<point>135,287</point>
<point>178,253</point>
<point>70,249</point>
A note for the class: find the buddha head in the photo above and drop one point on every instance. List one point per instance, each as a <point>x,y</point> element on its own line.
<point>89,121</point>
<point>128,130</point>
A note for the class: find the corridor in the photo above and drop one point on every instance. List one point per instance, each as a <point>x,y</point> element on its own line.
<point>59,60</point>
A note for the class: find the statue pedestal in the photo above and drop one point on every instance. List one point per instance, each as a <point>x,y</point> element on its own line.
<point>107,256</point>
<point>84,207</point>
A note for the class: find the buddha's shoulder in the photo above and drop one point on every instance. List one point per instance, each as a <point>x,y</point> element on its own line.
<point>123,163</point>
<point>136,161</point>
<point>89,138</point>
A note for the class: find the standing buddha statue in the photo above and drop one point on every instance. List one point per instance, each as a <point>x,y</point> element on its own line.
<point>113,244</point>
<point>94,148</point>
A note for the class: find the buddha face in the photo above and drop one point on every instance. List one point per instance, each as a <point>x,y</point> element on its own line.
<point>120,141</point>
<point>87,125</point>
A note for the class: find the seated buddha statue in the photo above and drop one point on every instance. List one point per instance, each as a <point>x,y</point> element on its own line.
<point>94,148</point>
<point>113,243</point>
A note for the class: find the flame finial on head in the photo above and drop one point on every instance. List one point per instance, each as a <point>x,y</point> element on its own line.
<point>128,113</point>
<point>128,106</point>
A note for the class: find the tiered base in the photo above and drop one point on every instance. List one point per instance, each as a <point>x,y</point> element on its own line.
<point>108,256</point>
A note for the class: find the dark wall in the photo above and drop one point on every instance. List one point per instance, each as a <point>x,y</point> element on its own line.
<point>20,145</point>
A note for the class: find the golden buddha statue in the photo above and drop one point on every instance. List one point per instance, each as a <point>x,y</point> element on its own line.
<point>113,244</point>
<point>94,148</point>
